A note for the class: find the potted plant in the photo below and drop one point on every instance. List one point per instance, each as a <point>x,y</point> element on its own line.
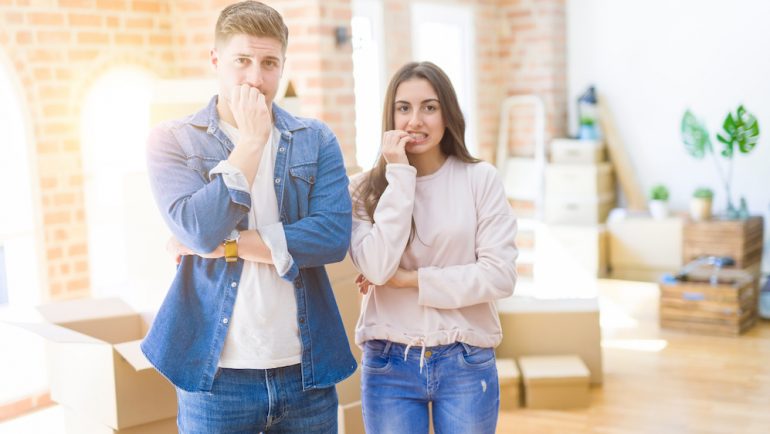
<point>700,204</point>
<point>659,202</point>
<point>740,134</point>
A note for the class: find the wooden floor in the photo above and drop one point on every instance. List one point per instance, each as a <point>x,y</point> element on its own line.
<point>661,381</point>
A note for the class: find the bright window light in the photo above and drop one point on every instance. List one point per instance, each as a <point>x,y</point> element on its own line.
<point>445,35</point>
<point>17,236</point>
<point>368,79</point>
<point>114,129</point>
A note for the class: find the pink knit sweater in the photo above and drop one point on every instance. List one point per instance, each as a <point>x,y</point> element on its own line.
<point>464,252</point>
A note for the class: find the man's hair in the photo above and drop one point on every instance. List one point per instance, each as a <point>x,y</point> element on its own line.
<point>252,18</point>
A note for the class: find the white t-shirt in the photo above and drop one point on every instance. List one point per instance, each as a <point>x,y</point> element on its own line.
<point>263,331</point>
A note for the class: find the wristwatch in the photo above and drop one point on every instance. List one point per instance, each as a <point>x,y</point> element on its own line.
<point>231,246</point>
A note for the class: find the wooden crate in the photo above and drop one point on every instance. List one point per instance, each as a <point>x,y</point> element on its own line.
<point>728,308</point>
<point>739,239</point>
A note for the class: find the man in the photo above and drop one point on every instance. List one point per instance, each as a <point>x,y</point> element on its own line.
<point>257,201</point>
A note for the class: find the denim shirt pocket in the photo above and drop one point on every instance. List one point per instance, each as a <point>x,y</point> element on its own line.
<point>302,179</point>
<point>202,165</point>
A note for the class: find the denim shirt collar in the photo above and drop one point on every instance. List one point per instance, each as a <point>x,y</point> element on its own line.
<point>208,118</point>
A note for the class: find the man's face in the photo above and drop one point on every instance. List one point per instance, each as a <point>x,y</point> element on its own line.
<point>253,60</point>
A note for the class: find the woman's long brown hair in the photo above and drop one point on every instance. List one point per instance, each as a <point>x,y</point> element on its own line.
<point>452,143</point>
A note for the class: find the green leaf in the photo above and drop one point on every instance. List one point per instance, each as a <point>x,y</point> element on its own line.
<point>741,131</point>
<point>694,135</point>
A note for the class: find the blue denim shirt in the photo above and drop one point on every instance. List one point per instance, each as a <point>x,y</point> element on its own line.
<point>187,336</point>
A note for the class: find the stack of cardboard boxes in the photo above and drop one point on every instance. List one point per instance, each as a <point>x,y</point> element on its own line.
<point>557,344</point>
<point>579,193</point>
<point>342,276</point>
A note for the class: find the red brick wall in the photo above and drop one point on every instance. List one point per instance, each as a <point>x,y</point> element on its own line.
<point>59,47</point>
<point>534,58</point>
<point>520,49</point>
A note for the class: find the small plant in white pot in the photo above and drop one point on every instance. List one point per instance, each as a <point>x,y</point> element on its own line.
<point>659,202</point>
<point>700,204</point>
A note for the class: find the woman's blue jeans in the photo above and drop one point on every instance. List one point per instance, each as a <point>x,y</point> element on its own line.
<point>459,380</point>
<point>258,400</point>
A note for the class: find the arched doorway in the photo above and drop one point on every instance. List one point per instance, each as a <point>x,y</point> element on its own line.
<point>125,232</point>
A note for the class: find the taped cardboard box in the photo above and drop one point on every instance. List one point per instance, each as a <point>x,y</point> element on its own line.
<point>579,179</point>
<point>342,276</point>
<point>554,382</point>
<point>552,327</point>
<point>96,367</point>
<point>643,248</point>
<point>350,419</point>
<point>510,383</point>
<point>570,252</point>
<point>573,151</point>
<point>78,424</point>
<point>578,210</point>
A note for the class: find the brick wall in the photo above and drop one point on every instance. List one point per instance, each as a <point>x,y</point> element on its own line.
<point>57,48</point>
<point>520,48</point>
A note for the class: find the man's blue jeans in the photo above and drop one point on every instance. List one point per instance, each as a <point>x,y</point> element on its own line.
<point>459,380</point>
<point>258,400</point>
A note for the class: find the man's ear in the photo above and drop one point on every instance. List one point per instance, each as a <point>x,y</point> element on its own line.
<point>214,58</point>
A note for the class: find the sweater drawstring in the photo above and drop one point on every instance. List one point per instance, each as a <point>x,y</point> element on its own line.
<point>414,342</point>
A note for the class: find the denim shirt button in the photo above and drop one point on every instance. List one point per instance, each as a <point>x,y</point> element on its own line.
<point>277,180</point>
<point>225,320</point>
<point>233,284</point>
<point>302,320</point>
<point>281,149</point>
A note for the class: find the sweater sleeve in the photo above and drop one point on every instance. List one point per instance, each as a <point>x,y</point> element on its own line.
<point>376,248</point>
<point>493,275</point>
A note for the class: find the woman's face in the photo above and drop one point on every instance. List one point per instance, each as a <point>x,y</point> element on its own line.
<point>418,112</point>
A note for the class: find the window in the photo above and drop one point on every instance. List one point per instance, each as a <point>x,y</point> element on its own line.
<point>368,74</point>
<point>126,236</point>
<point>19,260</point>
<point>445,35</point>
<point>3,278</point>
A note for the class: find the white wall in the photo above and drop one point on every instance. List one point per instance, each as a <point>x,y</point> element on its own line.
<point>651,60</point>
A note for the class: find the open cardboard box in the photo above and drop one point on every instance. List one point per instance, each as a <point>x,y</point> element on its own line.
<point>96,367</point>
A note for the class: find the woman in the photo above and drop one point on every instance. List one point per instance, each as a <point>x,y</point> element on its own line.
<point>433,236</point>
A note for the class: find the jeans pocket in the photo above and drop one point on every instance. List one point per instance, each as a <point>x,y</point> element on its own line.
<point>477,357</point>
<point>373,360</point>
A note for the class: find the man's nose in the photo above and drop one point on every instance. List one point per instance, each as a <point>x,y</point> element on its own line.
<point>254,76</point>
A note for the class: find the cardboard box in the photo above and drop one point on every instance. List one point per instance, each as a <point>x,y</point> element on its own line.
<point>579,179</point>
<point>578,210</point>
<point>350,419</point>
<point>510,383</point>
<point>572,151</point>
<point>551,327</point>
<point>342,276</point>
<point>574,252</point>
<point>554,382</point>
<point>75,423</point>
<point>96,367</point>
<point>643,247</point>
